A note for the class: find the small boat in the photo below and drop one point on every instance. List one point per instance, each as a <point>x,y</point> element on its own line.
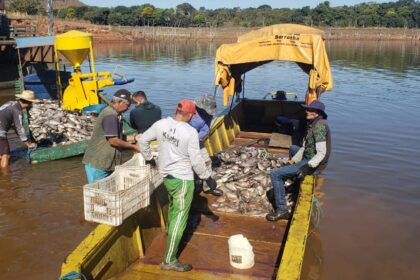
<point>134,249</point>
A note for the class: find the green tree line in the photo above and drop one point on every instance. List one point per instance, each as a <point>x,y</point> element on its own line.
<point>403,13</point>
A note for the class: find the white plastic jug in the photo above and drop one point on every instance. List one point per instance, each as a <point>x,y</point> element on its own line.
<point>240,252</point>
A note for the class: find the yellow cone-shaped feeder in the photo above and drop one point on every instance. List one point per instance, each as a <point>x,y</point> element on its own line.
<point>82,90</point>
<point>74,45</point>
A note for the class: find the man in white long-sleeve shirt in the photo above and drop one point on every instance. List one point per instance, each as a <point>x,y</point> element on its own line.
<point>179,155</point>
<point>305,160</point>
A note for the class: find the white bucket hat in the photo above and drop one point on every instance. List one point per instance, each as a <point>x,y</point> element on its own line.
<point>27,95</point>
<point>207,103</point>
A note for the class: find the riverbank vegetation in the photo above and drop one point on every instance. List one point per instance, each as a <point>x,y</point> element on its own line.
<point>402,13</point>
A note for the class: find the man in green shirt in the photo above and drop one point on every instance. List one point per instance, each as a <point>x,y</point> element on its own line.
<point>305,160</point>
<point>145,114</point>
<point>179,157</point>
<point>104,148</point>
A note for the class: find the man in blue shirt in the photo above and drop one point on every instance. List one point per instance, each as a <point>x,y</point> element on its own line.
<point>201,121</point>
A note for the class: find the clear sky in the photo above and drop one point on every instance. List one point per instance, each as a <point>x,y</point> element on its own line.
<point>214,4</point>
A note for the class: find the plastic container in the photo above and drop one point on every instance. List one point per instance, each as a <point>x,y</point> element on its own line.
<point>138,161</point>
<point>241,254</point>
<point>113,199</point>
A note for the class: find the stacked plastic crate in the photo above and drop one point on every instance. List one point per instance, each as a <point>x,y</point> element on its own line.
<point>113,199</point>
<point>137,161</point>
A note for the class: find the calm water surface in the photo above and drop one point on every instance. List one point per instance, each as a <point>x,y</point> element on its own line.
<point>370,194</point>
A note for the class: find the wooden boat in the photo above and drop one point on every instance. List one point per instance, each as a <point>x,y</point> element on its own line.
<point>135,249</point>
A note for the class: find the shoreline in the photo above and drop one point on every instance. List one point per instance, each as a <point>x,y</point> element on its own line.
<point>108,33</point>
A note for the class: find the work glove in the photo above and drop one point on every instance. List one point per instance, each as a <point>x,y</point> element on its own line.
<point>303,171</point>
<point>215,162</point>
<point>289,162</point>
<point>211,183</point>
<point>151,162</point>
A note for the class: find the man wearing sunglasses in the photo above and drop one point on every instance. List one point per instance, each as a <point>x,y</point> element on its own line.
<point>104,149</point>
<point>313,155</point>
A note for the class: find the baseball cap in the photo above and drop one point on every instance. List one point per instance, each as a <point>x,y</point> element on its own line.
<point>186,106</point>
<point>123,94</point>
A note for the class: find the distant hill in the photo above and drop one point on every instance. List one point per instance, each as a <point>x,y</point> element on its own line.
<point>59,4</point>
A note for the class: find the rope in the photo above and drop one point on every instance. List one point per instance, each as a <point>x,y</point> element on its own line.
<point>243,87</point>
<point>317,212</point>
<point>73,275</point>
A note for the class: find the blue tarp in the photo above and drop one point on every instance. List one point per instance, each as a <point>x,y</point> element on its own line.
<point>29,42</point>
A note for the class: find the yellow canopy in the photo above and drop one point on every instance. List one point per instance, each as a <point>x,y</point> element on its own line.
<point>290,42</point>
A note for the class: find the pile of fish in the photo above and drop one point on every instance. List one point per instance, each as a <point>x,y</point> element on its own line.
<point>244,177</point>
<point>48,122</point>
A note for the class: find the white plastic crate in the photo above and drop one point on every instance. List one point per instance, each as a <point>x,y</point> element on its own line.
<point>138,161</point>
<point>113,199</point>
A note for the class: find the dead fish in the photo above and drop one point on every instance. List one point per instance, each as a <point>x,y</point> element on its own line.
<point>226,209</point>
<point>232,196</point>
<point>244,176</point>
<point>47,120</point>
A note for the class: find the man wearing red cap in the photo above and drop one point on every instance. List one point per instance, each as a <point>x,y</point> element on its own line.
<point>179,158</point>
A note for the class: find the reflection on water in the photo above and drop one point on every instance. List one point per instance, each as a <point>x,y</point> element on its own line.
<point>313,259</point>
<point>370,195</point>
<point>376,56</point>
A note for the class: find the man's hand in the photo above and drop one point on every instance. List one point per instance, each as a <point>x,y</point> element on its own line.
<point>151,162</point>
<point>290,162</point>
<point>31,145</point>
<point>303,171</point>
<point>131,139</point>
<point>136,149</point>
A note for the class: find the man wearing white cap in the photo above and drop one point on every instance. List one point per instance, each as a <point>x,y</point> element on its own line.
<point>11,116</point>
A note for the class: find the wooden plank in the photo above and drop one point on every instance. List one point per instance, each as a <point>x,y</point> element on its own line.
<point>210,256</point>
<point>228,224</point>
<point>242,141</point>
<point>280,140</point>
<point>253,135</point>
<point>141,271</point>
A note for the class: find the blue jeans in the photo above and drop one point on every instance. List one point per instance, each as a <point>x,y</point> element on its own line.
<point>280,175</point>
<point>94,174</point>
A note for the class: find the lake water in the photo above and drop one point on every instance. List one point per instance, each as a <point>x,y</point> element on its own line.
<point>370,196</point>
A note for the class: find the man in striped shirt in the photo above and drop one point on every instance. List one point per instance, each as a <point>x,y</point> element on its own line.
<point>11,116</point>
